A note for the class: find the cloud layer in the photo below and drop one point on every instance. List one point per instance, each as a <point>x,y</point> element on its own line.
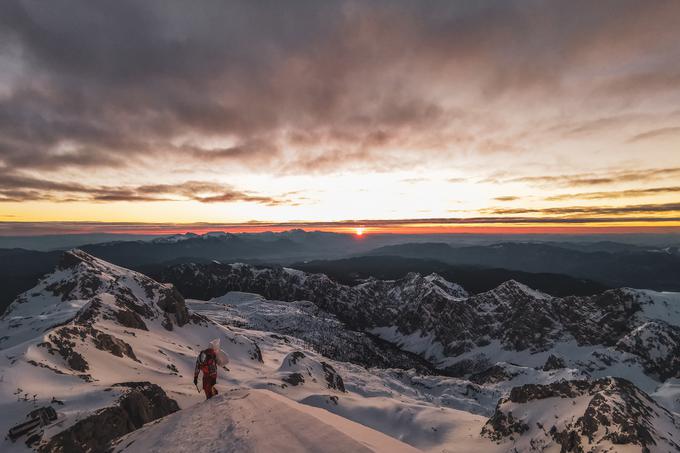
<point>188,93</point>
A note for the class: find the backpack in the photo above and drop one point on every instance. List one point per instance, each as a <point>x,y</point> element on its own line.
<point>208,362</point>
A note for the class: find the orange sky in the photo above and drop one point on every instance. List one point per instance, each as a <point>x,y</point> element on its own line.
<point>350,227</point>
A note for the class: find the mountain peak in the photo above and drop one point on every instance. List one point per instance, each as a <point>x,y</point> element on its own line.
<point>83,288</point>
<point>514,287</point>
<point>74,257</point>
<point>607,412</point>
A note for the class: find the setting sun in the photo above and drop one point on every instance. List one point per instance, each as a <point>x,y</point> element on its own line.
<point>359,231</point>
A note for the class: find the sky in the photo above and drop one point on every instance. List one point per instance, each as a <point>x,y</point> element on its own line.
<point>389,115</point>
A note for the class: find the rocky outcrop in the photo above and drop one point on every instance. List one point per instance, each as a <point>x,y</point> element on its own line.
<point>554,362</point>
<point>115,346</point>
<point>172,303</point>
<point>513,315</point>
<point>63,342</point>
<point>299,368</point>
<point>656,344</point>
<point>294,379</point>
<point>102,290</point>
<point>492,375</point>
<point>131,319</point>
<point>141,403</point>
<point>333,379</point>
<point>583,416</point>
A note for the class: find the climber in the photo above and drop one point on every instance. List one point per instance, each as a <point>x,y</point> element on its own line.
<point>207,362</point>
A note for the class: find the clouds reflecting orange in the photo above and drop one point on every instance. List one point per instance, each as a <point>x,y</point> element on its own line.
<point>324,111</point>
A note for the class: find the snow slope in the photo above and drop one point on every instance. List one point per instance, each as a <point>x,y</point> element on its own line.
<point>253,421</point>
<point>90,326</point>
<point>608,414</point>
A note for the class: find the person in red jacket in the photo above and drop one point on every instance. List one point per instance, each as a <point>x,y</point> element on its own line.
<point>207,363</point>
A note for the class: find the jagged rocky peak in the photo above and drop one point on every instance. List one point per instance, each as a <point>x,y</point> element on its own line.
<point>84,289</point>
<point>133,293</point>
<point>512,290</point>
<point>582,416</point>
<point>656,344</point>
<point>453,289</point>
<point>435,318</point>
<point>75,257</point>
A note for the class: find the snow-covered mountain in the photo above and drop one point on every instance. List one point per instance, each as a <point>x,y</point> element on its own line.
<point>608,414</point>
<point>618,331</point>
<point>92,335</point>
<point>113,350</point>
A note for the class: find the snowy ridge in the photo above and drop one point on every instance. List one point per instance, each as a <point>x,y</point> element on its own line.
<point>84,360</point>
<point>583,415</point>
<point>257,420</point>
<point>85,286</point>
<point>468,333</point>
<point>92,334</point>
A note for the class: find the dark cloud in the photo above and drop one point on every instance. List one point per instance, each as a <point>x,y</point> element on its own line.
<point>305,85</point>
<point>614,194</point>
<point>507,198</point>
<point>14,188</point>
<point>590,211</point>
<point>589,179</point>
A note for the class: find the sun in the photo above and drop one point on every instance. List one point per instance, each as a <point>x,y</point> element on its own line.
<point>359,231</point>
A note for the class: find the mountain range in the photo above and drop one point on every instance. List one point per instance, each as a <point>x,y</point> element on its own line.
<point>610,264</point>
<point>412,364</point>
<point>567,267</point>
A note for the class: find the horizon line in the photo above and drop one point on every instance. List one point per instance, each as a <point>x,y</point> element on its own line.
<point>478,225</point>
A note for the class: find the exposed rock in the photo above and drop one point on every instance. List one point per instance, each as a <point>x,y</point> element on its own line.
<point>43,365</point>
<point>502,425</point>
<point>72,258</point>
<point>467,367</point>
<point>294,379</point>
<point>554,363</point>
<point>657,344</point>
<point>62,339</point>
<point>294,357</point>
<point>333,379</point>
<point>114,345</point>
<point>256,353</point>
<point>172,303</point>
<point>130,319</point>
<point>167,322</point>
<point>62,289</point>
<point>513,315</point>
<point>615,413</point>
<point>492,375</point>
<point>88,314</point>
<point>142,403</point>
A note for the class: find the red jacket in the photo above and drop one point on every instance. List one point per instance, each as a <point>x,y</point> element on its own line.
<point>207,363</point>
